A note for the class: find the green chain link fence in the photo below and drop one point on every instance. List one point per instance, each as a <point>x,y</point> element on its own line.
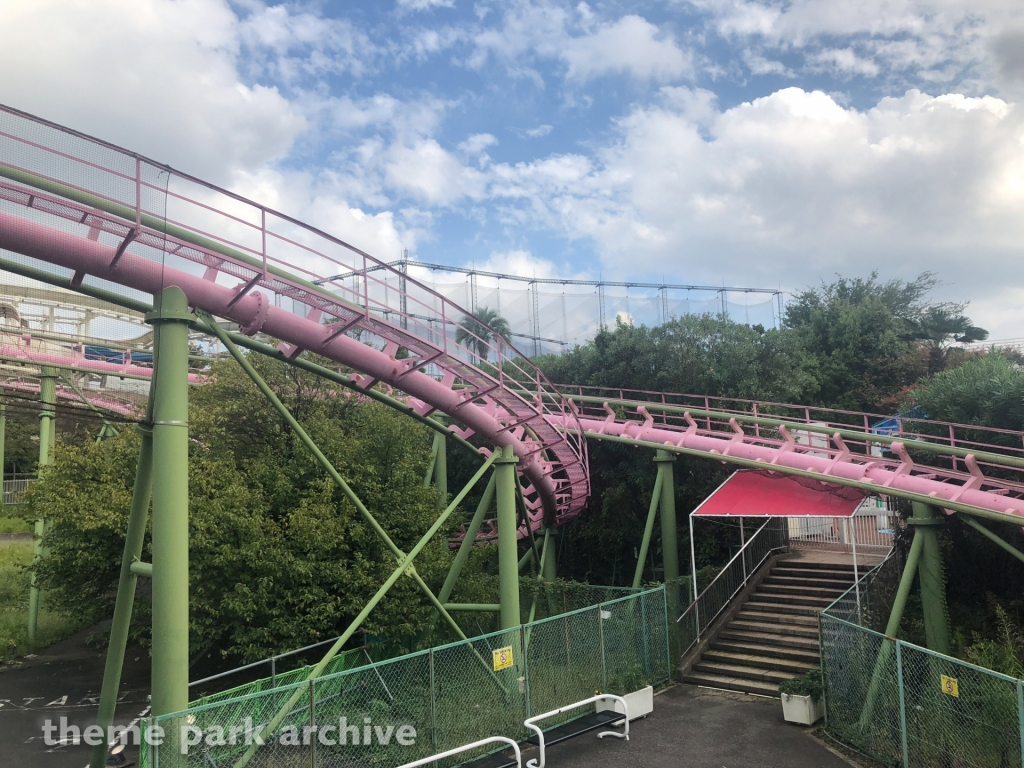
<point>905,705</point>
<point>447,696</point>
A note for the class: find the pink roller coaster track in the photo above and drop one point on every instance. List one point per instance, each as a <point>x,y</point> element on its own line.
<point>102,214</point>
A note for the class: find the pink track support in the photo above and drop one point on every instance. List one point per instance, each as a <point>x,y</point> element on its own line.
<point>107,215</point>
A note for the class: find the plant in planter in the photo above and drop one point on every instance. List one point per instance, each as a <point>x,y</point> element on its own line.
<point>801,698</point>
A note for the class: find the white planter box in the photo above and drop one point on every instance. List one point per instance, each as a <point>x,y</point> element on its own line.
<point>639,703</point>
<point>800,709</point>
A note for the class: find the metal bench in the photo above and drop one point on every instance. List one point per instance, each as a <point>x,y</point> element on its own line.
<point>488,761</point>
<point>589,722</point>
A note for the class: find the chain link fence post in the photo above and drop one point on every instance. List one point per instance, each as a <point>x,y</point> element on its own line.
<point>669,625</point>
<point>312,724</point>
<point>903,703</point>
<point>600,637</point>
<point>433,706</point>
<point>1020,717</point>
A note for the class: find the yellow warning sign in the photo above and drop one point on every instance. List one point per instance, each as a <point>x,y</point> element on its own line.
<point>949,685</point>
<point>503,658</point>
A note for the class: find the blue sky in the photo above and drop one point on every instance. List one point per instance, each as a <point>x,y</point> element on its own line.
<point>751,142</point>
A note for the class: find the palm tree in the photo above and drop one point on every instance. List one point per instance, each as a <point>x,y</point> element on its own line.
<point>937,325</point>
<point>477,331</point>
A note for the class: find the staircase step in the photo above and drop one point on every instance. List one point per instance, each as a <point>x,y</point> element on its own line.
<point>807,581</point>
<point>773,629</point>
<point>734,684</point>
<point>802,600</point>
<point>809,656</point>
<point>777,618</point>
<point>756,660</point>
<point>810,565</point>
<point>742,671</point>
<point>779,589</point>
<point>770,638</point>
<point>795,610</point>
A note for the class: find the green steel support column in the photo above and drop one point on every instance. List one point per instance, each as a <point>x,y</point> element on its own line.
<point>170,502</point>
<point>652,512</point>
<point>892,628</point>
<point>467,542</point>
<point>669,537</point>
<point>429,474</point>
<point>441,469</point>
<point>525,560</point>
<point>3,442</point>
<point>548,571</point>
<point>927,520</point>
<point>48,400</point>
<point>125,591</point>
<point>508,556</point>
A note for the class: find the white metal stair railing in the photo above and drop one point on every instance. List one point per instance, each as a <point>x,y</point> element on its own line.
<point>729,582</point>
<point>467,748</point>
<point>531,723</point>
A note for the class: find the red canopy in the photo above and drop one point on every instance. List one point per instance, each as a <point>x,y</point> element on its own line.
<point>759,493</point>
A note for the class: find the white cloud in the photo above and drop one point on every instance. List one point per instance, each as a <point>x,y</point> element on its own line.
<point>477,143</point>
<point>947,41</point>
<point>522,263</point>
<point>794,187</point>
<point>423,5</point>
<point>631,45</point>
<point>290,44</point>
<point>428,172</point>
<point>159,77</point>
<point>534,133</point>
<point>844,62</point>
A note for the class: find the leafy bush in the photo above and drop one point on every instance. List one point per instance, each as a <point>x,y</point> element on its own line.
<point>807,684</point>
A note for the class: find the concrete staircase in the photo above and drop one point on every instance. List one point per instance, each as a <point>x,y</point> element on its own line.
<point>774,634</point>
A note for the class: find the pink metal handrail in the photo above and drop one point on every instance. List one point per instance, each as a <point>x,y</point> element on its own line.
<point>554,469</point>
<point>757,407</point>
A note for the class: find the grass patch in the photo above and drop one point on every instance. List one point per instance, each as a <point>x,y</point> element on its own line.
<point>14,525</point>
<point>14,583</point>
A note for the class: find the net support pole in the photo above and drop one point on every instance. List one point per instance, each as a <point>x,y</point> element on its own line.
<point>137,519</point>
<point>48,401</point>
<point>927,520</point>
<point>508,556</point>
<point>170,502</point>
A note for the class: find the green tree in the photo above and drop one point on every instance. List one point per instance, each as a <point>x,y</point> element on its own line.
<point>858,331</point>
<point>937,326</point>
<point>987,391</point>
<point>478,332</point>
<point>279,557</point>
<point>693,354</point>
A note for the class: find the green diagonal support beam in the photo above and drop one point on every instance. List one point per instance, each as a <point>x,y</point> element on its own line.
<point>652,513</point>
<point>405,563</point>
<point>998,541</point>
<point>328,466</point>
